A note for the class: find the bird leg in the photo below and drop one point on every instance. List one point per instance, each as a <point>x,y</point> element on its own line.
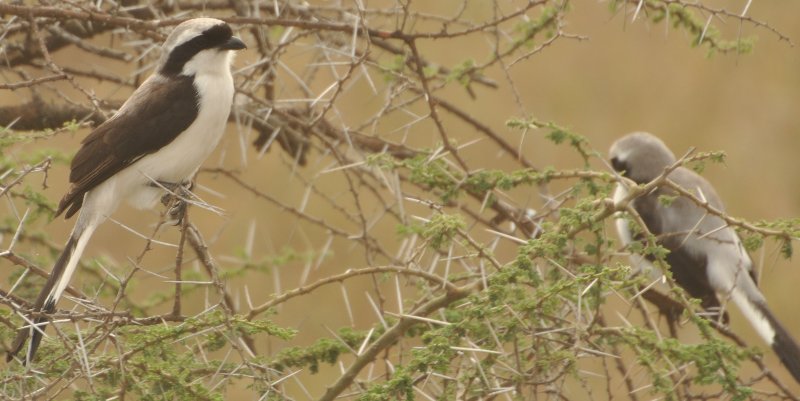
<point>176,199</point>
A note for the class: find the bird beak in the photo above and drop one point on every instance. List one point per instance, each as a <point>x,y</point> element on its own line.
<point>233,43</point>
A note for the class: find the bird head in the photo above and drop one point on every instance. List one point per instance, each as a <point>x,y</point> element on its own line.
<point>640,156</point>
<point>198,46</point>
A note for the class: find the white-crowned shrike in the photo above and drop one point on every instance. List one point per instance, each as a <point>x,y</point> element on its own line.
<point>157,139</point>
<point>706,256</point>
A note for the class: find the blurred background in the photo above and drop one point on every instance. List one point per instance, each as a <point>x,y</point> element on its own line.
<point>623,75</point>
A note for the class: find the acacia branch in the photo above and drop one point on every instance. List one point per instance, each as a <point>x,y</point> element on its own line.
<point>303,290</point>
<point>32,82</point>
<point>392,334</point>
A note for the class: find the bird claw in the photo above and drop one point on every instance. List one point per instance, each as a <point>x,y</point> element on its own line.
<point>175,200</point>
<point>177,212</point>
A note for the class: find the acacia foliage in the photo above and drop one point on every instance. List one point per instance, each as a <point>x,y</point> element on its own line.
<point>475,290</point>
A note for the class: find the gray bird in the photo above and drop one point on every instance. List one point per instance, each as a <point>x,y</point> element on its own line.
<point>157,140</point>
<point>706,256</point>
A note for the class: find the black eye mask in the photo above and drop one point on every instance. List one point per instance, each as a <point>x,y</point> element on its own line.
<point>620,166</point>
<point>216,36</point>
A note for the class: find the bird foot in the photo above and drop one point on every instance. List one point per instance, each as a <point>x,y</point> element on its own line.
<point>176,200</point>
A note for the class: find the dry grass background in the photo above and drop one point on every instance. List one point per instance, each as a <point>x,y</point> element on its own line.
<point>628,76</point>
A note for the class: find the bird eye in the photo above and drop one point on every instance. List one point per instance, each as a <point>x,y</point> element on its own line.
<point>619,165</point>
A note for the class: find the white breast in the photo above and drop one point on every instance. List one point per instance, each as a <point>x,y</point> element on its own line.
<point>639,263</point>
<point>181,158</point>
<point>623,230</point>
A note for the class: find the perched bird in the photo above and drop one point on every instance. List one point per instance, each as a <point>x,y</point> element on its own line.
<point>706,256</point>
<point>157,140</point>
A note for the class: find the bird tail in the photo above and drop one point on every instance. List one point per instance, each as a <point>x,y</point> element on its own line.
<point>56,284</point>
<point>755,309</point>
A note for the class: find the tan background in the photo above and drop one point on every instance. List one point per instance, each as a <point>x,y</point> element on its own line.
<point>628,76</point>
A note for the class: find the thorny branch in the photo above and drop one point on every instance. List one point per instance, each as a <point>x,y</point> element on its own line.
<point>458,304</point>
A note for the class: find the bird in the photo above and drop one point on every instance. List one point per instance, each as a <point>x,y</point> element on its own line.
<point>706,255</point>
<point>157,140</point>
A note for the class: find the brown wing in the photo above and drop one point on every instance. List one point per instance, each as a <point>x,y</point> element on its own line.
<point>152,118</point>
